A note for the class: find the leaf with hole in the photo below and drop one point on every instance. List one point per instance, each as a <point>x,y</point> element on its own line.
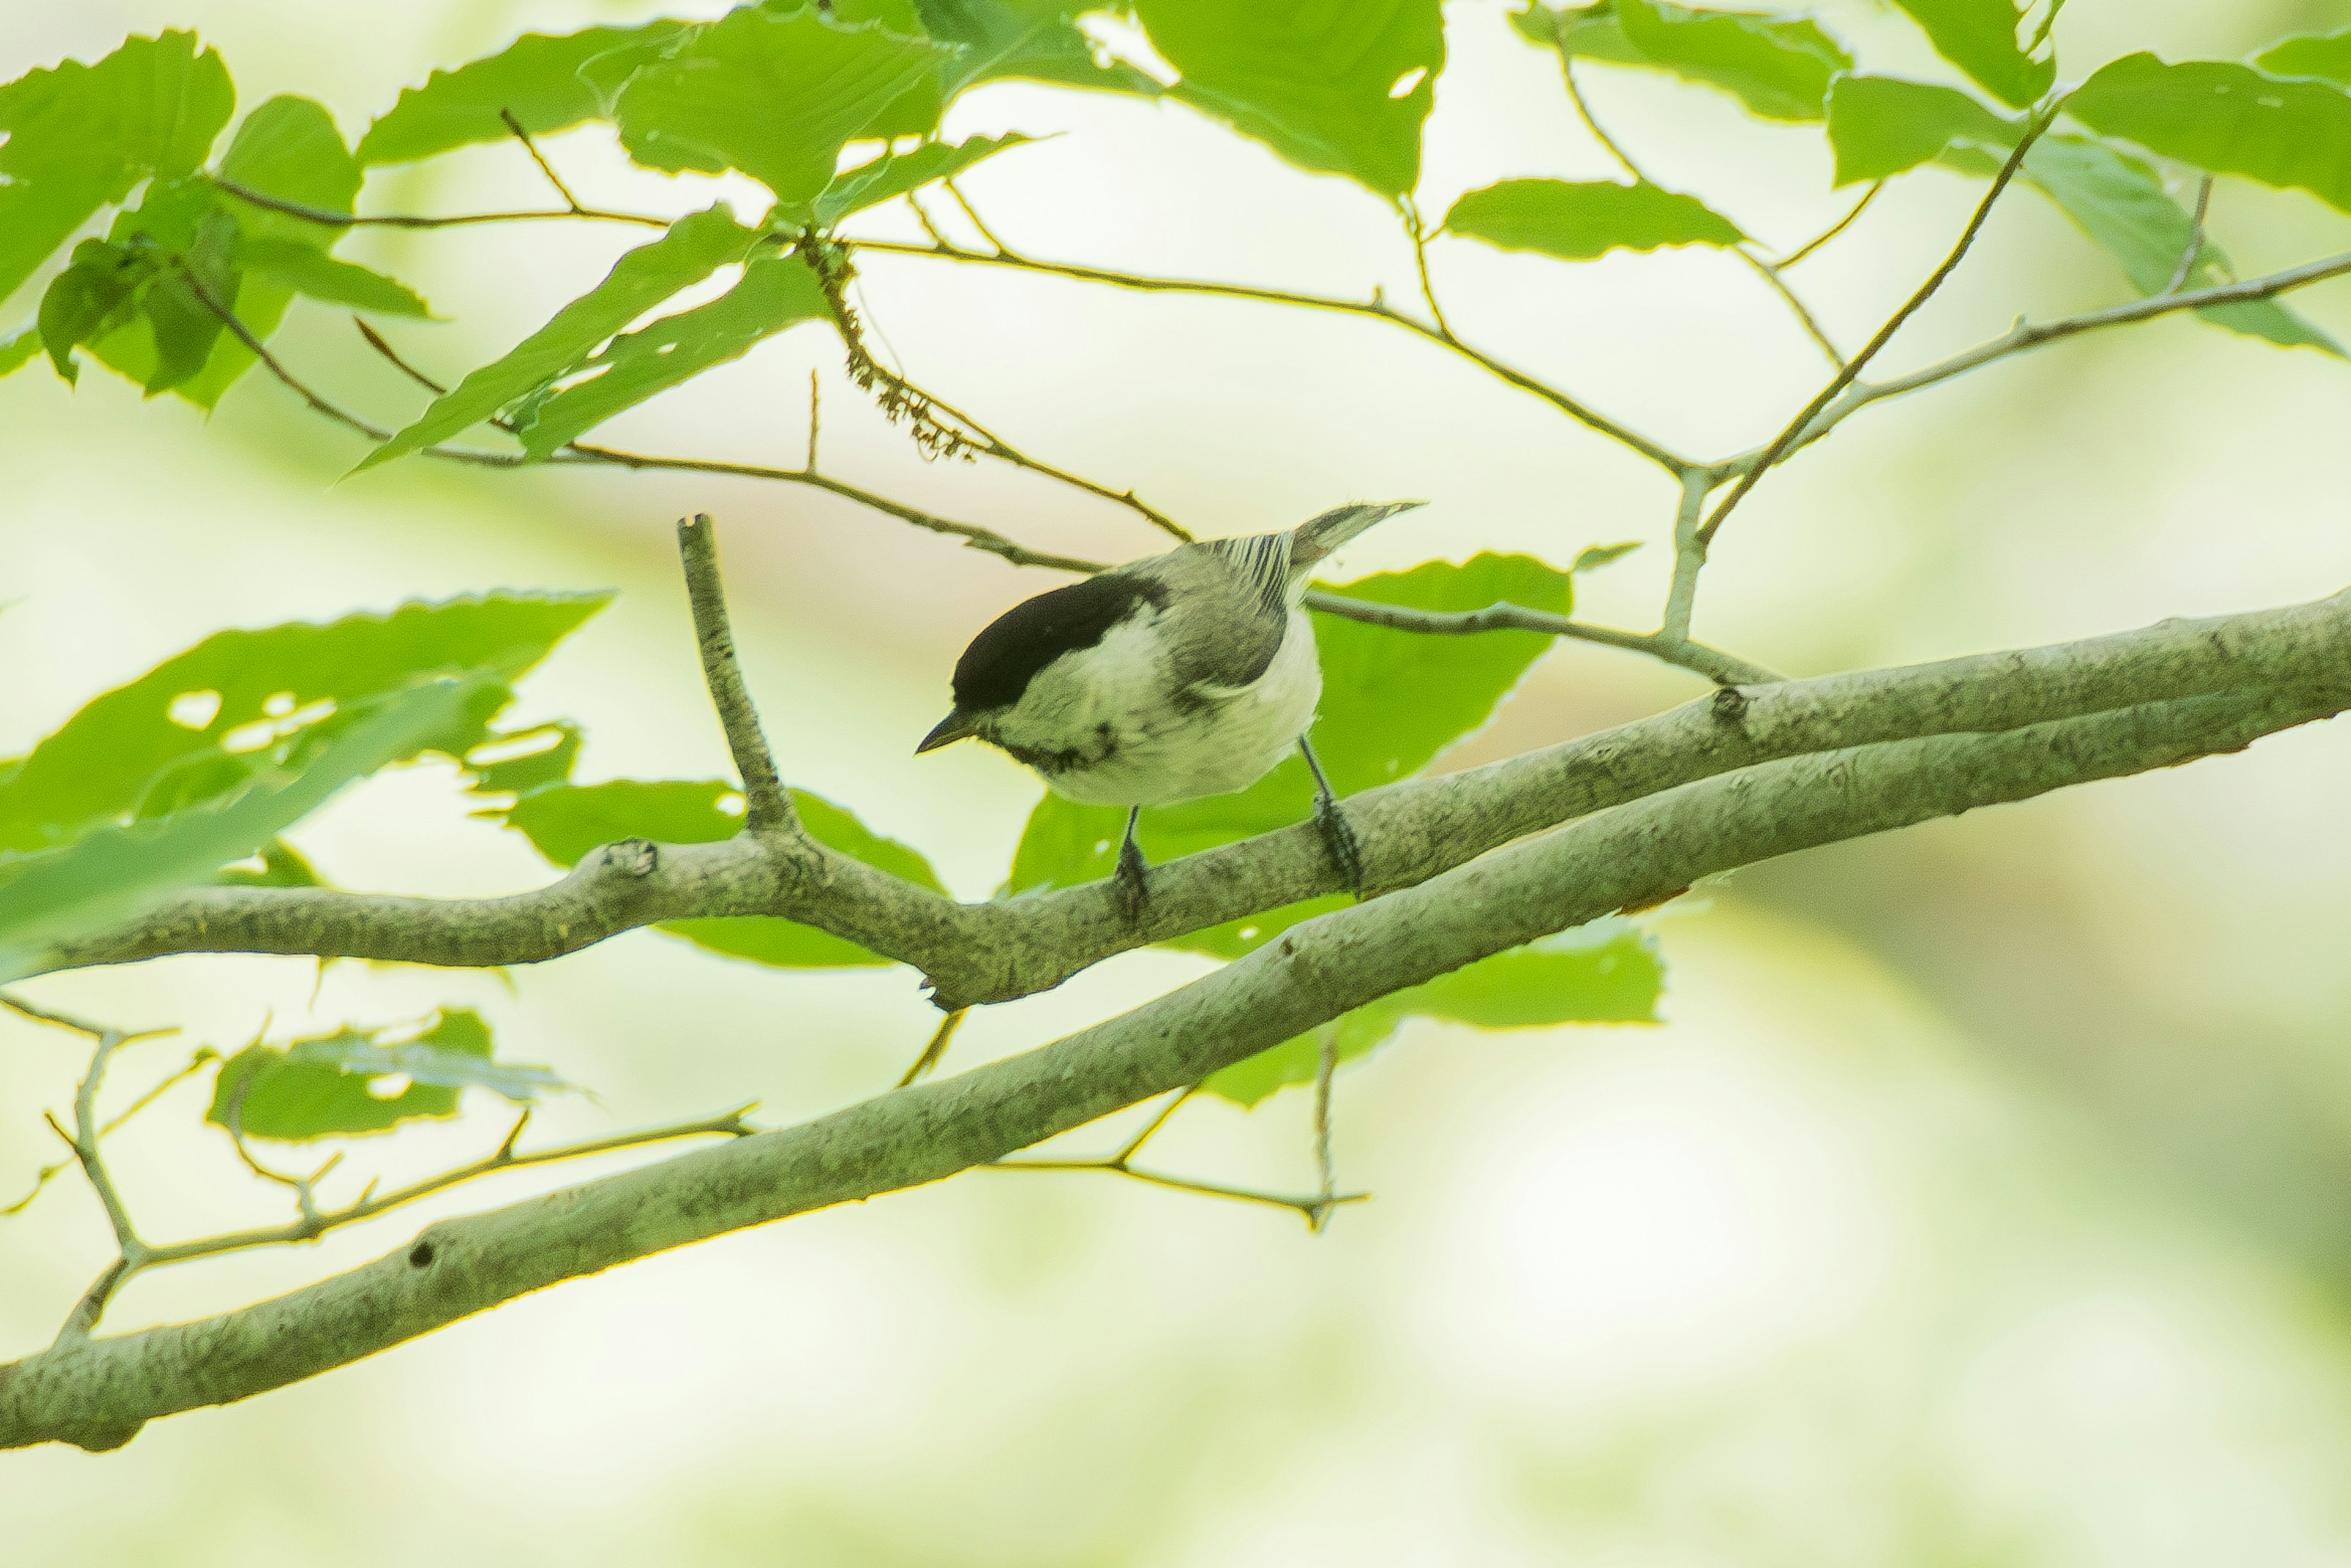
<point>359,1081</point>
<point>1334,88</point>
<point>1606,972</point>
<point>111,873</point>
<point>2287,131</point>
<point>1392,701</point>
<point>1582,220</point>
<point>696,247</point>
<point>565,822</point>
<point>242,699</point>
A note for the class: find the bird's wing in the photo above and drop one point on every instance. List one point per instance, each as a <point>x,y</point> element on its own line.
<point>1233,610</point>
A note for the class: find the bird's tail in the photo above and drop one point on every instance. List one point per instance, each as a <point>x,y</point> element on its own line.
<point>1311,540</point>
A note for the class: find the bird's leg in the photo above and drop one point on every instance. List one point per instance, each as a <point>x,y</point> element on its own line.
<point>1127,883</point>
<point>1339,834</point>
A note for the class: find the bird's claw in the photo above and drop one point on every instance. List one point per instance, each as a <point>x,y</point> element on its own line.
<point>1128,885</point>
<point>1339,835</point>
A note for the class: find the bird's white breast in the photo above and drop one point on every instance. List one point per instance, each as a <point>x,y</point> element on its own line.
<point>1130,738</point>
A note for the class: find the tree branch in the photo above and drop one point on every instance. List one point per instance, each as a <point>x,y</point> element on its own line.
<point>1413,830</point>
<point>97,1394</point>
<point>769,809</point>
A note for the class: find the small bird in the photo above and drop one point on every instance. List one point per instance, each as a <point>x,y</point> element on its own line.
<point>1172,677</point>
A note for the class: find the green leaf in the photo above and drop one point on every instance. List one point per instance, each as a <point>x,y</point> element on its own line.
<point>1883,126</point>
<point>1779,67</point>
<point>892,176</point>
<point>18,351</point>
<point>1036,40</point>
<point>2287,131</point>
<point>547,84</point>
<point>242,699</point>
<point>775,292</point>
<point>88,298</point>
<point>774,97</point>
<point>1338,89</point>
<point>275,864</point>
<point>327,1086</point>
<point>1592,558</point>
<point>2120,203</point>
<point>1391,701</point>
<point>1607,972</point>
<point>76,138</point>
<point>1980,38</point>
<point>2323,54</point>
<point>565,822</point>
<point>110,873</point>
<point>521,760</point>
<point>179,304</point>
<point>696,247</point>
<point>1582,220</point>
<point>311,272</point>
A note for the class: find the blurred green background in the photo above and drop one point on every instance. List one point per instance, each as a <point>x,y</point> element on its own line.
<point>1982,1201</point>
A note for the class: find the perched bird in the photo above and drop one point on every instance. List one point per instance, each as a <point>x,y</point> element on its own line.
<point>1182,674</point>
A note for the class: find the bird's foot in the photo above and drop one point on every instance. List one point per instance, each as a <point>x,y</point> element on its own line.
<point>1126,882</point>
<point>1339,835</point>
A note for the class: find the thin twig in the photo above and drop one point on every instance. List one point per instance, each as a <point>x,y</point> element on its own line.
<point>333,219</point>
<point>1804,251</point>
<point>929,227</point>
<point>1325,1069</point>
<point>1591,120</point>
<point>810,464</point>
<point>545,168</point>
<point>769,809</point>
<point>1150,1129</point>
<point>1853,370</point>
<point>1779,285</point>
<point>2195,251</point>
<point>1376,309</point>
<point>1307,1206</point>
<point>375,340</point>
<point>367,1205</point>
<point>1723,669</point>
<point>1418,233</point>
<point>937,1048</point>
<point>979,223</point>
<point>1690,557</point>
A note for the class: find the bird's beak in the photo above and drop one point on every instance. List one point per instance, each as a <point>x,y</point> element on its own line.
<point>956,726</point>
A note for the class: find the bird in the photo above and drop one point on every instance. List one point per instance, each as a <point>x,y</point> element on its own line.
<point>1182,675</point>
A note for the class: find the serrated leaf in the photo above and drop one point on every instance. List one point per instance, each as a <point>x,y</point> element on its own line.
<point>323,1087</point>
<point>548,84</point>
<point>2287,131</point>
<point>242,698</point>
<point>1983,38</point>
<point>1391,701</point>
<point>565,822</point>
<point>1335,88</point>
<point>1883,126</point>
<point>310,272</point>
<point>774,293</point>
<point>74,137</point>
<point>1607,972</point>
<point>1778,67</point>
<point>1579,221</point>
<point>2323,54</point>
<point>776,97</point>
<point>893,175</point>
<point>696,247</point>
<point>110,873</point>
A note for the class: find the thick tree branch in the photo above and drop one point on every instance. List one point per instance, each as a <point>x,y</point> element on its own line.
<point>1413,831</point>
<point>97,1393</point>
